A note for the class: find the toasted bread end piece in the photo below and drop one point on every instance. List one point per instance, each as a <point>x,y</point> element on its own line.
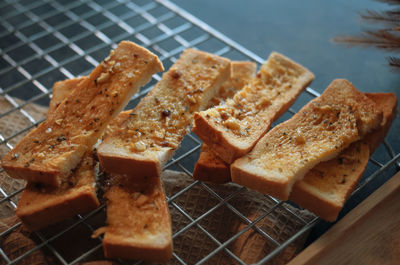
<point>115,246</point>
<point>118,164</point>
<point>138,220</point>
<point>36,215</point>
<point>355,115</point>
<point>47,177</point>
<point>210,168</point>
<point>276,187</point>
<point>307,75</point>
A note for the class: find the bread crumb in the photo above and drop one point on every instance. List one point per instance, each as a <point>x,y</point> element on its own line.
<point>232,124</point>
<point>103,78</point>
<point>192,100</point>
<point>139,146</point>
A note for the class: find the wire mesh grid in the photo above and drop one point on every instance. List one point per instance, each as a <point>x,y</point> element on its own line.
<point>45,41</point>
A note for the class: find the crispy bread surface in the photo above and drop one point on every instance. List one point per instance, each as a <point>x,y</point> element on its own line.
<point>61,90</point>
<point>232,129</point>
<point>318,132</point>
<point>325,188</point>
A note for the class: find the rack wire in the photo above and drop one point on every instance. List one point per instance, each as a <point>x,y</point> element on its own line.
<point>45,41</point>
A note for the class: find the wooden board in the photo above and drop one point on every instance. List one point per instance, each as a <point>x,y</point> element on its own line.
<point>369,234</point>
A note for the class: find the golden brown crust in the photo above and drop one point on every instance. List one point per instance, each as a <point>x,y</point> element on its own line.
<point>155,128</point>
<point>388,103</point>
<point>233,128</point>
<point>115,244</point>
<point>126,165</point>
<point>365,111</point>
<point>114,247</point>
<point>241,74</point>
<point>325,209</point>
<point>61,90</point>
<point>318,132</point>
<point>219,141</point>
<point>82,201</point>
<point>138,220</point>
<point>49,152</point>
<point>209,167</point>
<point>35,173</point>
<point>274,187</point>
<point>40,206</point>
<point>326,187</point>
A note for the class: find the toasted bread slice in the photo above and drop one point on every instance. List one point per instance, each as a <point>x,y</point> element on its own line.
<point>154,251</point>
<point>209,167</point>
<point>147,139</point>
<point>325,188</point>
<point>49,153</point>
<point>318,132</point>
<point>150,242</point>
<point>138,220</point>
<point>232,129</point>
<point>41,205</point>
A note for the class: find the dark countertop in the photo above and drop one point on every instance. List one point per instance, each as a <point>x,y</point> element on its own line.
<point>303,30</point>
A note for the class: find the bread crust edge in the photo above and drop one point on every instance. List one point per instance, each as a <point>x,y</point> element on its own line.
<point>216,140</point>
<point>115,247</point>
<point>215,173</point>
<point>78,203</point>
<point>118,164</point>
<point>277,189</point>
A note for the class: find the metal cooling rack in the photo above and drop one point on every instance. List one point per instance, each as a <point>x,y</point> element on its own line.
<point>45,41</point>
